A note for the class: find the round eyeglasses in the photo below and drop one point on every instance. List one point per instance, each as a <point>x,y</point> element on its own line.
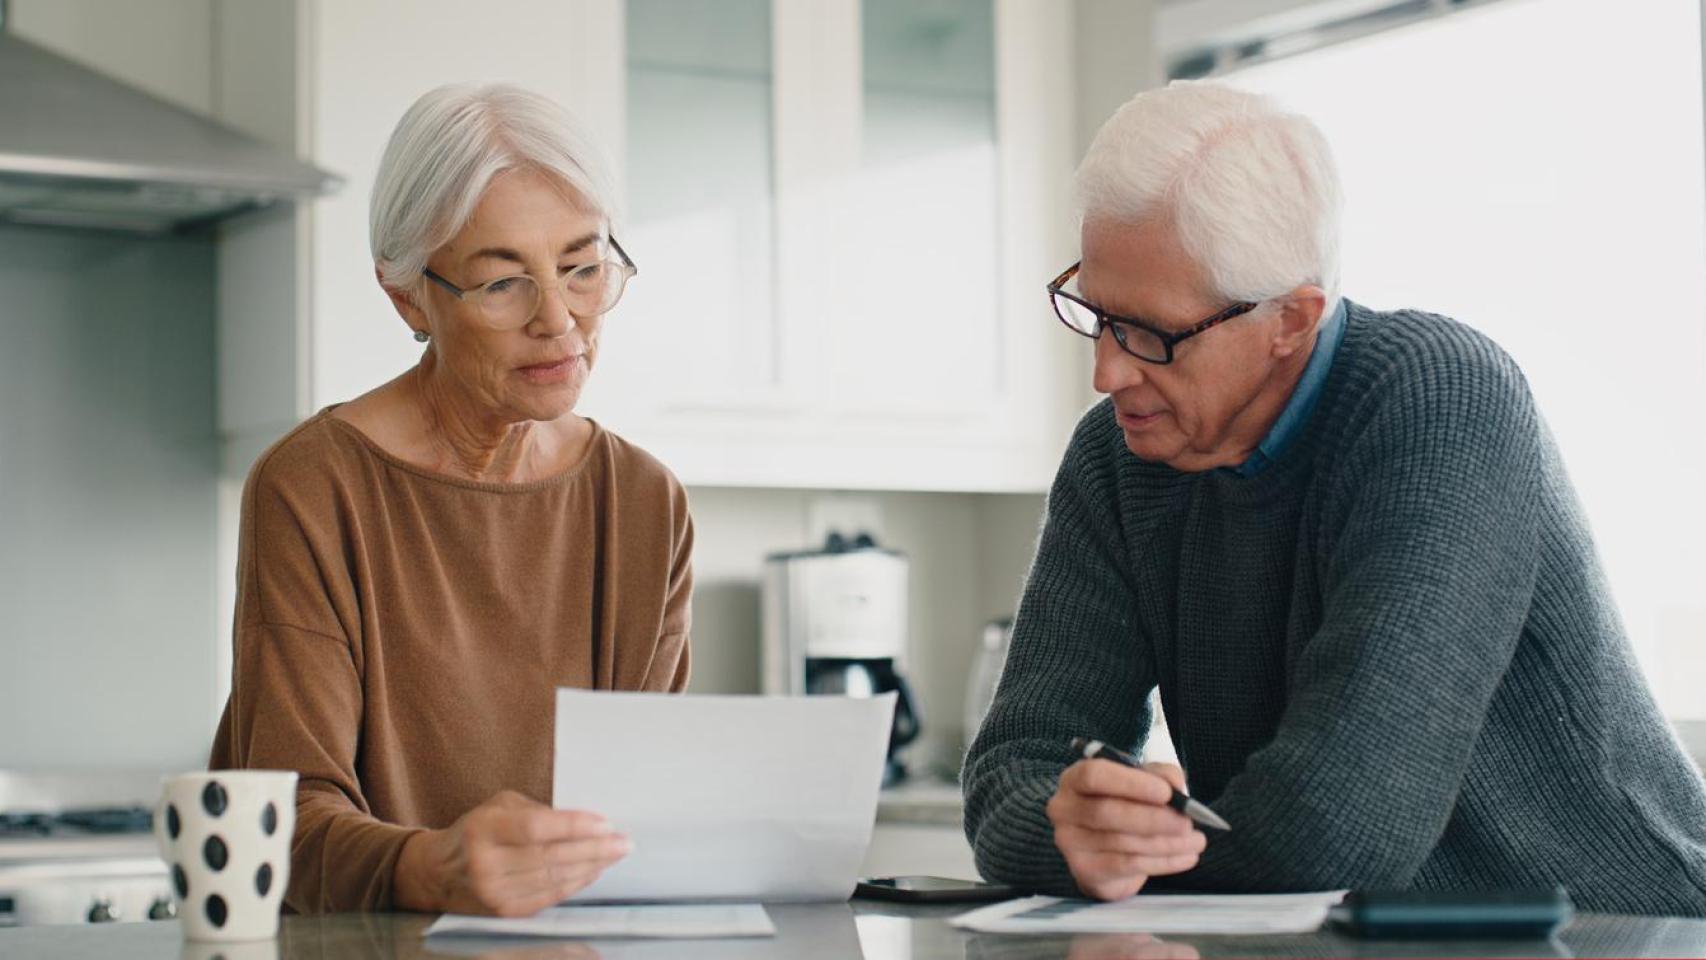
<point>1140,339</point>
<point>510,303</point>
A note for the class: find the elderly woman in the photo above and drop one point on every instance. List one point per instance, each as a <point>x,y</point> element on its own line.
<point>421,567</point>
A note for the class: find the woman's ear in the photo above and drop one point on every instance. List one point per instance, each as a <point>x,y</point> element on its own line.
<point>404,303</point>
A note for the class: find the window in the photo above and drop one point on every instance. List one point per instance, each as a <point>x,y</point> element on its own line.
<point>1534,169</point>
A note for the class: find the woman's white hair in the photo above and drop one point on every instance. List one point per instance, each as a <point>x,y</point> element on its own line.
<point>1250,189</point>
<point>445,152</point>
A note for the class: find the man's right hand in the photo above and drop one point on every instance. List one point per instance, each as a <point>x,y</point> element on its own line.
<point>1114,827</point>
<point>508,857</point>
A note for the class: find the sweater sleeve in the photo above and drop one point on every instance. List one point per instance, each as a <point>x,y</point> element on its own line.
<point>296,705</point>
<point>1076,667</point>
<point>296,700</point>
<point>675,651</point>
<point>1427,572</point>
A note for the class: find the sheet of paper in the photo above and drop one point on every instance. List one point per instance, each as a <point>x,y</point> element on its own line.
<point>725,797</point>
<point>1157,913</point>
<point>654,920</point>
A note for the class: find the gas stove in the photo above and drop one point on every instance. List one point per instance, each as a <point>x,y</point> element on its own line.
<point>79,848</point>
<point>76,823</point>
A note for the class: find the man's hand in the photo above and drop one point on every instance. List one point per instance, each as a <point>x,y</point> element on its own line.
<point>1114,827</point>
<point>508,857</point>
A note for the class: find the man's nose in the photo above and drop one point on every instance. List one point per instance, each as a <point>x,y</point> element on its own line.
<point>1115,369</point>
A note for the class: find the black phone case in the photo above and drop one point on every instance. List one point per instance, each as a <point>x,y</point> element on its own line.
<point>1454,915</point>
<point>971,892</point>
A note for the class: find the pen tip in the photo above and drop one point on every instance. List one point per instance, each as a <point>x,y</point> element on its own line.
<point>1203,815</point>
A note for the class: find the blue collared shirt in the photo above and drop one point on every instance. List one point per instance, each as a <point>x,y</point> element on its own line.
<point>1302,402</point>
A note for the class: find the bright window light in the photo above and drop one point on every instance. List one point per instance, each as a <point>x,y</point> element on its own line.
<point>1534,168</point>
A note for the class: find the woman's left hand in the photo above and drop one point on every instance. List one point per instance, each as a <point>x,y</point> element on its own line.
<point>509,857</point>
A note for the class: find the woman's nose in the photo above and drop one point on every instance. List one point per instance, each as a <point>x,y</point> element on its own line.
<point>552,317</point>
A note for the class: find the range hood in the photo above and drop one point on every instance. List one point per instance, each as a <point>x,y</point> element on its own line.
<point>78,149</point>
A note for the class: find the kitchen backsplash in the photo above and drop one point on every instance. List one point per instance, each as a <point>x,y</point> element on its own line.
<point>108,462</point>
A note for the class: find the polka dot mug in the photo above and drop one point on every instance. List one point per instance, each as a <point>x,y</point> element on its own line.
<point>225,836</point>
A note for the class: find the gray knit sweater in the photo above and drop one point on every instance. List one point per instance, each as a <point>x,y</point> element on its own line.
<point>1389,660</point>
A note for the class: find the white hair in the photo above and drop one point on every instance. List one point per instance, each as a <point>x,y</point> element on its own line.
<point>1250,189</point>
<point>445,152</point>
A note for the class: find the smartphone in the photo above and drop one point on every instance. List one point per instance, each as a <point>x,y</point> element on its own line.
<point>932,890</point>
<point>1454,914</point>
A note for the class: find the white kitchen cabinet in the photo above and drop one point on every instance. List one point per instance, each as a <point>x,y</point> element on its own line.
<point>164,47</point>
<point>843,240</point>
<point>697,329</point>
<point>843,213</point>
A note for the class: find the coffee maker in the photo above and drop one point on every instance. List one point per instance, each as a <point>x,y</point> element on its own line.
<point>835,623</point>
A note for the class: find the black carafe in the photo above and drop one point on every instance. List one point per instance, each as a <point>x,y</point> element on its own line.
<point>869,678</point>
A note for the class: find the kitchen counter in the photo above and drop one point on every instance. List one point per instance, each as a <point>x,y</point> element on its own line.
<point>919,831</point>
<point>924,800</point>
<point>871,931</point>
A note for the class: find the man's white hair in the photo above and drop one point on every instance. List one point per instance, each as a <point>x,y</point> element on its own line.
<point>1250,189</point>
<point>445,152</point>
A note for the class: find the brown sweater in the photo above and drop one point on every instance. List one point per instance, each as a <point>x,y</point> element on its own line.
<point>400,634</point>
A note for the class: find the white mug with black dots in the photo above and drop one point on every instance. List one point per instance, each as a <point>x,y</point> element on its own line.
<point>225,836</point>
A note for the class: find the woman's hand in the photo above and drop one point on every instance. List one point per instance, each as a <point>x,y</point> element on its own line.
<point>1114,827</point>
<point>508,857</point>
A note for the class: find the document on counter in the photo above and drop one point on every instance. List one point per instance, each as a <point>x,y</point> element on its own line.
<point>725,797</point>
<point>1157,913</point>
<point>653,920</point>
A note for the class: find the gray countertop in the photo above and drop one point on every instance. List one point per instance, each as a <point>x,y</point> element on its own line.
<point>870,931</point>
<point>922,800</point>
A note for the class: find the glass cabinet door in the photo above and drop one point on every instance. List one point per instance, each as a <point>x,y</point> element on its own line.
<point>699,316</point>
<point>925,224</point>
<point>826,201</point>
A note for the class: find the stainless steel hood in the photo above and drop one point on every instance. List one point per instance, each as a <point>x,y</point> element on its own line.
<point>81,149</point>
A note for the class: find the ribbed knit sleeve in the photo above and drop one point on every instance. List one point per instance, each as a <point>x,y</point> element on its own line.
<point>1075,663</point>
<point>1434,540</point>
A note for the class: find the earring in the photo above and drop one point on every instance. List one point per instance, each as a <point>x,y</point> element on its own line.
<point>421,336</point>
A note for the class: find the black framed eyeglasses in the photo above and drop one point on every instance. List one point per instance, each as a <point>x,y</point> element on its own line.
<point>1135,337</point>
<point>510,303</point>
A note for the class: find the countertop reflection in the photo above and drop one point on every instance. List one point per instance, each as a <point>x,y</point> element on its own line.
<point>870,931</point>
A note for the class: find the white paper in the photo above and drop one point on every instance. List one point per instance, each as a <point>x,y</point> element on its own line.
<point>1157,913</point>
<point>725,797</point>
<point>656,920</point>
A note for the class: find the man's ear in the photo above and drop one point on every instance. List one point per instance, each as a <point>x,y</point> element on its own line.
<point>1300,313</point>
<point>404,303</point>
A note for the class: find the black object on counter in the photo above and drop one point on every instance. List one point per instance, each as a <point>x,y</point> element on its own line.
<point>932,890</point>
<point>1453,914</point>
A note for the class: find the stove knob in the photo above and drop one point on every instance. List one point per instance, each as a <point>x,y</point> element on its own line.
<point>162,909</point>
<point>103,912</point>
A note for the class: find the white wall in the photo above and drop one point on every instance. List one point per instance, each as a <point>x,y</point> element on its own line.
<point>1540,209</point>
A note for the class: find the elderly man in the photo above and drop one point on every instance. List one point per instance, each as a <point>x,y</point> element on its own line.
<point>1341,543</point>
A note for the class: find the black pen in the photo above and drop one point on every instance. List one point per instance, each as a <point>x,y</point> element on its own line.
<point>1097,750</point>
